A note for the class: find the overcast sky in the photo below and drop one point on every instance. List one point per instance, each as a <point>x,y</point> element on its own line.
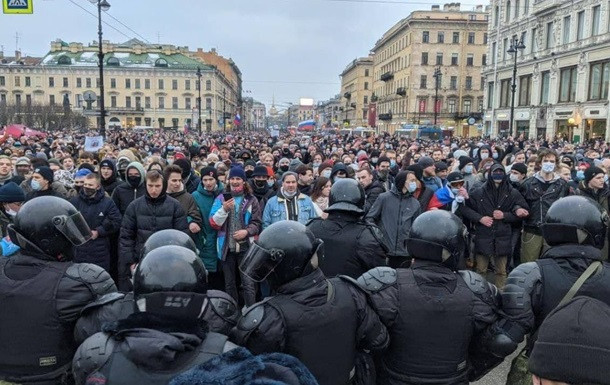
<point>286,48</point>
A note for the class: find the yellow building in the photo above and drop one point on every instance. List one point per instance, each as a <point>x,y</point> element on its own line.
<point>356,91</point>
<point>449,40</point>
<point>145,85</point>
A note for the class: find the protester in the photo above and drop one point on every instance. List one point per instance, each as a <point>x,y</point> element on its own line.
<point>176,190</point>
<point>109,176</point>
<point>372,187</point>
<point>319,196</point>
<point>132,188</point>
<point>289,203</point>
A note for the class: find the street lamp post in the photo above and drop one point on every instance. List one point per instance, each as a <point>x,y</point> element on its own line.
<point>515,46</point>
<point>437,77</point>
<point>224,108</point>
<point>199,100</point>
<point>102,5</point>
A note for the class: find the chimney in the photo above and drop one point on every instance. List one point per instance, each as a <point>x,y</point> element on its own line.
<point>456,6</point>
<point>199,50</point>
<point>436,7</point>
<point>446,7</point>
<point>213,50</point>
<point>17,55</point>
<point>1,54</point>
<point>479,8</point>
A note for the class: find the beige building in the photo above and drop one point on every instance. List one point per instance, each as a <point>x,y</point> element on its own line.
<point>563,69</point>
<point>145,85</point>
<point>407,57</point>
<point>356,91</point>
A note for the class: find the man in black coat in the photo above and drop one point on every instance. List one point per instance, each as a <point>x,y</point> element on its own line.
<point>153,212</point>
<point>190,180</point>
<point>109,176</point>
<point>352,246</point>
<point>102,216</point>
<point>133,187</point>
<point>260,188</point>
<point>372,187</point>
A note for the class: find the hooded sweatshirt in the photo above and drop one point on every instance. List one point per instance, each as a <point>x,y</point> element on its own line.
<point>125,193</point>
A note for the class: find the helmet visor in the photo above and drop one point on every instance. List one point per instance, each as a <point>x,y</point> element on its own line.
<point>74,227</point>
<point>259,262</point>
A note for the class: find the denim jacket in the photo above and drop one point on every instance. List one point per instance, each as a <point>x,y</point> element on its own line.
<point>276,210</point>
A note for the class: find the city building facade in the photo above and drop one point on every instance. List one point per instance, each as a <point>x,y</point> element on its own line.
<point>563,69</point>
<point>356,91</point>
<point>145,85</point>
<point>446,41</point>
<point>329,113</point>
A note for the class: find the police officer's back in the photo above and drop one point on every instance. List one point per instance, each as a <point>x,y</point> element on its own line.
<point>164,336</point>
<point>575,228</point>
<point>433,313</point>
<point>221,312</point>
<point>42,292</point>
<point>322,322</point>
<point>352,246</point>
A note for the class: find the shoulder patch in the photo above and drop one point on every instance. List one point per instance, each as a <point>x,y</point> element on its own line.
<point>103,300</point>
<point>253,318</point>
<point>475,282</point>
<point>377,279</point>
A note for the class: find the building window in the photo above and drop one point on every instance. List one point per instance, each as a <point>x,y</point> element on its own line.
<point>88,82</point>
<point>441,37</point>
<point>18,100</point>
<point>175,103</point>
<point>504,92</point>
<point>138,102</point>
<point>453,83</point>
<point>451,106</point>
<point>485,37</point>
<point>79,82</point>
<point>366,100</point>
<point>525,90</point>
<point>187,84</point>
<point>454,59</point>
<point>147,84</point>
<point>161,122</point>
<point>174,84</point>
<point>439,59</point>
<point>472,17</point>
<point>366,72</point>
<point>65,82</point>
<point>97,82</point>
<point>496,15</point>
<point>2,81</point>
<point>550,40</point>
<point>467,106</point>
<point>424,58</point>
<point>598,82</point>
<point>112,83</point>
<point>468,84</point>
<point>595,20</point>
<point>175,122</point>
<point>208,85</point>
<point>52,100</point>
<point>482,83</point>
<point>208,103</point>
<point>28,81</point>
<point>456,38</point>
<point>484,60</point>
<point>161,84</point>
<point>128,83</point>
<point>470,37</point>
<point>566,29</point>
<point>508,9</point>
<point>28,100</point>
<point>425,37</point>
<point>128,101</point>
<point>113,101</point>
<point>567,84</point>
<point>470,60</point>
<point>161,102</point>
<point>147,122</point>
<point>51,82</point>
<point>137,84</point>
<point>17,81</point>
<point>423,82</point>
<point>187,103</point>
<point>545,86</point>
<point>580,25</point>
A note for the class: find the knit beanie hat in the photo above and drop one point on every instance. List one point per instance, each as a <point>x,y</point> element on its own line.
<point>417,170</point>
<point>573,344</point>
<point>45,172</point>
<point>209,171</point>
<point>401,179</point>
<point>425,162</point>
<point>591,172</point>
<point>237,172</point>
<point>457,154</point>
<point>440,166</point>
<point>464,160</point>
<point>383,159</point>
<point>519,167</point>
<point>83,172</point>
<point>260,170</point>
<point>11,192</point>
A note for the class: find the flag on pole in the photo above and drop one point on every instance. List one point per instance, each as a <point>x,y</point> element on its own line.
<point>237,120</point>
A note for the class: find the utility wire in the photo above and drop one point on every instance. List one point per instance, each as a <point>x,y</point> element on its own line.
<point>95,16</point>
<point>126,26</point>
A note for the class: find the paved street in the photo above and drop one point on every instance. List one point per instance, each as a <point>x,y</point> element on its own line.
<point>498,375</point>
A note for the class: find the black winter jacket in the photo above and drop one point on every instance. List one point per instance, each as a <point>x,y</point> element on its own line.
<point>540,195</point>
<point>372,192</point>
<point>125,193</point>
<point>103,216</point>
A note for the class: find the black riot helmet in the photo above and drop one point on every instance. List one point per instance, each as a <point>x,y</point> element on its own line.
<point>346,195</point>
<point>438,236</point>
<point>576,220</point>
<point>48,227</point>
<point>169,237</point>
<point>284,251</point>
<point>171,281</point>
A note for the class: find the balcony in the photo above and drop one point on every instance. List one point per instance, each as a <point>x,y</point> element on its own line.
<point>386,116</point>
<point>387,76</point>
<point>402,91</point>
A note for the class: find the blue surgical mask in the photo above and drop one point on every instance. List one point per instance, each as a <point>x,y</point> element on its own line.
<point>468,169</point>
<point>326,173</point>
<point>412,186</point>
<point>36,186</point>
<point>580,175</point>
<point>495,155</point>
<point>270,183</point>
<point>316,164</point>
<point>548,167</point>
<point>392,163</point>
<point>455,191</point>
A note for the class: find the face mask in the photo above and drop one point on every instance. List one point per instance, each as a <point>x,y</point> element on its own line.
<point>78,188</point>
<point>497,177</point>
<point>514,178</point>
<point>326,173</point>
<point>170,161</point>
<point>134,181</point>
<point>89,191</point>
<point>260,183</point>
<point>468,169</point>
<point>392,163</point>
<point>284,168</point>
<point>495,155</point>
<point>580,175</point>
<point>36,186</point>
<point>270,183</point>
<point>237,190</point>
<point>455,191</point>
<point>384,173</point>
<point>288,194</point>
<point>484,156</point>
<point>316,164</point>
<point>249,173</point>
<point>374,160</point>
<point>548,167</point>
<point>412,187</point>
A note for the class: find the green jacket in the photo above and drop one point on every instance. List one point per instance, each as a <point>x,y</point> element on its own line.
<point>206,238</point>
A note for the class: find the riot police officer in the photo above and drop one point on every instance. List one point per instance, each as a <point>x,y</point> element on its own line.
<point>42,292</point>
<point>352,246</point>
<point>221,312</point>
<point>575,228</point>
<point>433,312</point>
<point>170,286</point>
<point>322,322</point>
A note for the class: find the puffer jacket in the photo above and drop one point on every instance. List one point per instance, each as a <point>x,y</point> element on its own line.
<point>103,216</point>
<point>124,193</point>
<point>206,239</point>
<point>394,213</point>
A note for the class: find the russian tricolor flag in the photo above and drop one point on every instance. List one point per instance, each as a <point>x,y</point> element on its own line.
<point>307,125</point>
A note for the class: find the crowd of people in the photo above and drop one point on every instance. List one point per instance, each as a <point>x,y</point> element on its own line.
<point>371,259</point>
